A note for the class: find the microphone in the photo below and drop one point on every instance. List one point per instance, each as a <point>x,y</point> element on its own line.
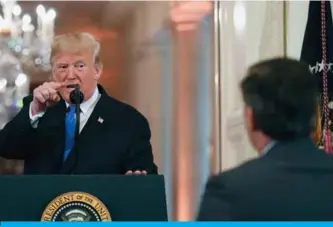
<point>76,97</point>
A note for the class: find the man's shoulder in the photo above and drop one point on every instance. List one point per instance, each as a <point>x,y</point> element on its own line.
<point>123,110</point>
<point>245,173</point>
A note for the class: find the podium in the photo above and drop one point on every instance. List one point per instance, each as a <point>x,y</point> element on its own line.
<point>82,198</point>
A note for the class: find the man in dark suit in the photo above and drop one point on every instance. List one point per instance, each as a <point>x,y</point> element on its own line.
<point>292,178</point>
<point>114,137</point>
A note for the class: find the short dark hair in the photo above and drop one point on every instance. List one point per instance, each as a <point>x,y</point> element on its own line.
<point>283,95</point>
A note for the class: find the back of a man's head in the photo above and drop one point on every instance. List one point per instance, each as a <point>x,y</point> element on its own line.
<point>282,94</point>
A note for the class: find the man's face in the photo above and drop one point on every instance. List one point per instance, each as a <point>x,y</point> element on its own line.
<point>76,68</point>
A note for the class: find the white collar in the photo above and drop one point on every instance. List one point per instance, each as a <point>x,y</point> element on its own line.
<point>88,103</point>
<point>268,147</point>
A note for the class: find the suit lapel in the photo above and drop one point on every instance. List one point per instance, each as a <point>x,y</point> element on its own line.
<point>93,129</point>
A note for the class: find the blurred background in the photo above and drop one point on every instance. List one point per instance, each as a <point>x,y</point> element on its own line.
<point>177,62</point>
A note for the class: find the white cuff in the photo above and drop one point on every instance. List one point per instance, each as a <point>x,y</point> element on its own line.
<point>34,119</point>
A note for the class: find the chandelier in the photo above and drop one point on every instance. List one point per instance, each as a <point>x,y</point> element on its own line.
<point>24,51</point>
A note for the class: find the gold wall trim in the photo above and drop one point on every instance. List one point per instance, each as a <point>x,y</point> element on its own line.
<point>217,149</point>
<point>285,28</point>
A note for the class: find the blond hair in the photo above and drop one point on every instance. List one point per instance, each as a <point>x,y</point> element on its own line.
<point>76,42</point>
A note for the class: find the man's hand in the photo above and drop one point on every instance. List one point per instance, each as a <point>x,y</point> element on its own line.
<point>137,172</point>
<point>44,96</point>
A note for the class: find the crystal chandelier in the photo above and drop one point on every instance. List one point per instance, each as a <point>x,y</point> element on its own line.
<point>24,51</point>
<point>30,43</point>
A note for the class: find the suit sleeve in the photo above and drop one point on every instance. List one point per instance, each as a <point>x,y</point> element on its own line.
<point>140,155</point>
<point>217,201</point>
<point>17,137</point>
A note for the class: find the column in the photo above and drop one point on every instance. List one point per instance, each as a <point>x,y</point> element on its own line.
<point>184,124</point>
<point>189,158</point>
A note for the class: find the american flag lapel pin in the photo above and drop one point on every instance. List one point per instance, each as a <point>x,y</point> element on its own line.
<point>100,120</point>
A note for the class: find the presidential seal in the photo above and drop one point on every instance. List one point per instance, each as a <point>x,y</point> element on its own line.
<point>76,206</point>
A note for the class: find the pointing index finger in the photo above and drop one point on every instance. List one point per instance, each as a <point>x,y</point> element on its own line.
<point>56,85</point>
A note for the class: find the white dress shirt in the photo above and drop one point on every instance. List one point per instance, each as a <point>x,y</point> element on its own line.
<point>86,107</point>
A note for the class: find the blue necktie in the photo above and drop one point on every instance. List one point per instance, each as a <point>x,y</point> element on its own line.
<point>70,131</point>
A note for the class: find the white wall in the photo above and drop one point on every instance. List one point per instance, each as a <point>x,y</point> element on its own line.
<point>148,73</point>
<point>144,67</point>
<point>251,31</point>
<point>297,15</point>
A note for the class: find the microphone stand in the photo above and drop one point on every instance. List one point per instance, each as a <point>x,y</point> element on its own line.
<point>77,112</point>
<point>76,98</point>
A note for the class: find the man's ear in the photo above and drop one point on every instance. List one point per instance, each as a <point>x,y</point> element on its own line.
<point>98,71</point>
<point>249,117</point>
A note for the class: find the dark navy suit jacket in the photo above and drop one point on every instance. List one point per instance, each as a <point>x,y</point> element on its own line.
<point>120,143</point>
